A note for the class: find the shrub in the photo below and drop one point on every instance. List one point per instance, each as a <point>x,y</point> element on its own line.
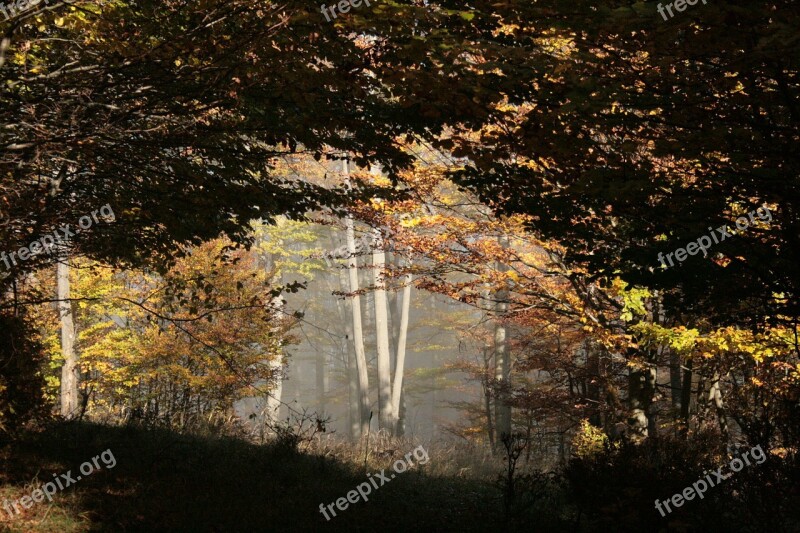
<point>589,441</point>
<point>21,379</point>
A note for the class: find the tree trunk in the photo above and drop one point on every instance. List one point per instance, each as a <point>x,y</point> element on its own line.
<point>401,417</point>
<point>358,332</point>
<point>322,382</point>
<point>686,398</point>
<point>348,356</point>
<point>487,395</point>
<point>397,389</point>
<point>395,311</point>
<point>641,390</point>
<point>502,359</point>
<point>354,410</point>
<point>675,374</point>
<point>274,398</point>
<point>715,396</point>
<point>70,372</point>
<point>386,416</point>
<point>354,406</point>
<point>273,403</point>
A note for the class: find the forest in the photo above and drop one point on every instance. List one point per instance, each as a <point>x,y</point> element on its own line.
<point>399,265</point>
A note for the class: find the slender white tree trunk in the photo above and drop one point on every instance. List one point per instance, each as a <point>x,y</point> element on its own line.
<point>321,375</point>
<point>354,409</point>
<point>382,332</point>
<point>487,394</point>
<point>358,331</point>
<point>502,359</point>
<point>273,404</point>
<point>349,360</point>
<point>274,399</point>
<point>70,372</point>
<point>397,389</point>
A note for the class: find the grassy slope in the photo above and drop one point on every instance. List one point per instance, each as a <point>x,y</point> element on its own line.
<point>168,482</point>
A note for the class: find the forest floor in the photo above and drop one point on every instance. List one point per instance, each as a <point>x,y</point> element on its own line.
<point>164,481</point>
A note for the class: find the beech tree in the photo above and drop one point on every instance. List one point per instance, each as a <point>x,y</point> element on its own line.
<point>70,371</point>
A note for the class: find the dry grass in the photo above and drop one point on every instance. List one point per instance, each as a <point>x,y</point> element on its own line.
<point>446,459</point>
